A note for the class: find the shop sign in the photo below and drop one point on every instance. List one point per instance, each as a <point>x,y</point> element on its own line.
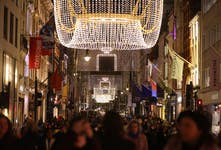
<point>35,52</point>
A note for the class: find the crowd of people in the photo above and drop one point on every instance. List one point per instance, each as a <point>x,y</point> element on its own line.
<point>191,131</point>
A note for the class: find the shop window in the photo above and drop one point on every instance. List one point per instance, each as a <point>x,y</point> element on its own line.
<point>9,69</point>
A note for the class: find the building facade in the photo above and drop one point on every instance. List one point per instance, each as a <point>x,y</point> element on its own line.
<point>210,92</point>
<point>21,20</point>
<point>12,53</point>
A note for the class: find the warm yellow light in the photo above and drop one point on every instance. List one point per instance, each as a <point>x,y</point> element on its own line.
<point>87,58</point>
<point>7,73</point>
<point>97,24</point>
<point>5,112</point>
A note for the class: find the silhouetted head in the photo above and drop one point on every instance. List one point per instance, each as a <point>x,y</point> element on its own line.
<point>193,125</point>
<point>76,124</point>
<point>113,124</point>
<point>134,127</point>
<point>5,126</point>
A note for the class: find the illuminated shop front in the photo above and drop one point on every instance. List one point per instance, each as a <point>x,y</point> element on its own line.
<point>9,86</point>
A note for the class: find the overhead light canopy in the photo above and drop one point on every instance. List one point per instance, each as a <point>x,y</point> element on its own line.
<point>108,24</point>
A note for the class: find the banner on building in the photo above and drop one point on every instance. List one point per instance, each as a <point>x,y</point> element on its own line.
<point>146,91</point>
<point>65,91</point>
<point>177,67</point>
<point>56,80</point>
<point>35,52</point>
<point>136,93</point>
<point>153,88</point>
<point>47,35</point>
<point>149,70</point>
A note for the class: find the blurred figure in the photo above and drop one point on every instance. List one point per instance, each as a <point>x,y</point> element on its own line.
<point>59,133</point>
<point>47,140</point>
<point>31,139</point>
<point>193,133</point>
<point>114,136</point>
<point>135,135</point>
<point>92,141</point>
<point>74,139</point>
<point>7,139</point>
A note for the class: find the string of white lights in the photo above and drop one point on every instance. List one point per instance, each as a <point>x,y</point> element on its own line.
<point>108,24</point>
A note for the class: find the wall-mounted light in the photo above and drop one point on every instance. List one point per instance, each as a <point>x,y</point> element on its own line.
<point>87,56</point>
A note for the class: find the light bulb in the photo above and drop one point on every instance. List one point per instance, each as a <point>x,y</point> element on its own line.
<point>87,58</point>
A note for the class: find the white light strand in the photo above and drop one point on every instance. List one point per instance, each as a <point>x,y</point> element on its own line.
<point>116,24</point>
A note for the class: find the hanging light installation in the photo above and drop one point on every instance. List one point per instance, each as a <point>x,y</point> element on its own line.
<point>108,24</point>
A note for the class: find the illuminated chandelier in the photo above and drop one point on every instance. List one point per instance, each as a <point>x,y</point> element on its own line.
<point>108,24</point>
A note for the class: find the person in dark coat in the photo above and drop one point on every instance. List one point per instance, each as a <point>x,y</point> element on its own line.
<point>92,140</point>
<point>31,139</point>
<point>114,137</point>
<point>7,140</point>
<point>47,141</point>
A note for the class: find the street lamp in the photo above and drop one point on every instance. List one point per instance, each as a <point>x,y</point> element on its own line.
<point>87,56</point>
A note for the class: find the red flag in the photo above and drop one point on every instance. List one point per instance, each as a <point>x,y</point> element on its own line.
<point>154,88</point>
<point>46,52</point>
<point>56,80</point>
<point>35,52</point>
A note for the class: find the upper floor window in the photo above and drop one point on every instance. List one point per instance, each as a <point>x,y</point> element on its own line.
<point>5,27</point>
<point>16,32</point>
<point>207,4</point>
<point>207,77</point>
<point>106,63</point>
<point>11,28</point>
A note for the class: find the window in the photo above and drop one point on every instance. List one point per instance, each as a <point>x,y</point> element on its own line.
<point>219,31</point>
<point>16,32</point>
<point>207,4</point>
<point>220,72</point>
<point>106,63</point>
<point>5,28</point>
<point>11,28</point>
<point>9,69</point>
<point>207,77</point>
<point>204,42</point>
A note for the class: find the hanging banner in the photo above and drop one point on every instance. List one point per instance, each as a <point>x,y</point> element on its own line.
<point>56,80</point>
<point>153,88</point>
<point>35,52</point>
<point>149,70</point>
<point>136,93</point>
<point>47,35</point>
<point>177,67</point>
